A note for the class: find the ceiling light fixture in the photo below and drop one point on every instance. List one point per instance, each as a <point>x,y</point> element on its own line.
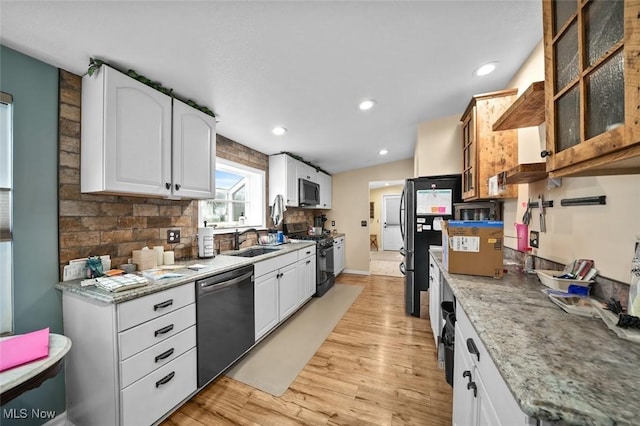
<point>485,69</point>
<point>279,131</point>
<point>383,152</point>
<point>367,104</point>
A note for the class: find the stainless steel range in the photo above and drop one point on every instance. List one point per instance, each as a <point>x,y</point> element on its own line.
<point>325,277</point>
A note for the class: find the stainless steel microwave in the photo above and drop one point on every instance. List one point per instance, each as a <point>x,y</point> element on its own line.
<point>309,193</point>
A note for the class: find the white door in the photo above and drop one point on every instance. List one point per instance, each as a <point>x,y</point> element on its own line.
<point>391,236</point>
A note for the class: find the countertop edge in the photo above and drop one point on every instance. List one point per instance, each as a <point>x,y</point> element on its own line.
<point>220,263</point>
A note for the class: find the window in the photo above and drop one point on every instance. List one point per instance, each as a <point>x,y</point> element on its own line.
<point>240,195</point>
<point>6,184</point>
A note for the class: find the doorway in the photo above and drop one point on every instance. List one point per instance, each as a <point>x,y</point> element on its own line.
<point>385,243</point>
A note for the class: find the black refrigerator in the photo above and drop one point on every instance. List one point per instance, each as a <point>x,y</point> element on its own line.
<point>425,203</point>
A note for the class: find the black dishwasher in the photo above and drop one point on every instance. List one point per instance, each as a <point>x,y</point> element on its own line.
<point>225,320</point>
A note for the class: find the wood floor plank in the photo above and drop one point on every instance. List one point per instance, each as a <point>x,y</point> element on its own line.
<point>377,367</point>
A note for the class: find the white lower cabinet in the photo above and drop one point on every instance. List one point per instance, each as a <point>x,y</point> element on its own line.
<point>435,300</point>
<point>338,255</point>
<point>288,290</point>
<point>480,395</point>
<point>282,285</point>
<point>130,363</point>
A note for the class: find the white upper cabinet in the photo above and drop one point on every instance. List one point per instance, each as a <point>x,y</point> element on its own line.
<point>284,174</point>
<point>126,139</point>
<point>306,172</point>
<point>325,182</point>
<point>194,152</point>
<point>283,179</point>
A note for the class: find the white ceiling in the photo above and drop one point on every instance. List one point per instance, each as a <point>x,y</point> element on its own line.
<point>304,65</point>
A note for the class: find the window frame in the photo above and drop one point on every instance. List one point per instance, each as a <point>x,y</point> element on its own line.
<point>6,220</point>
<point>254,198</point>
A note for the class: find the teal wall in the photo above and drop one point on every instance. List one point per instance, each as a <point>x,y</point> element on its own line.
<point>36,303</point>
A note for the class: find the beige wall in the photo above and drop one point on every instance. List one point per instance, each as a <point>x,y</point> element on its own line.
<point>375,196</point>
<point>438,148</point>
<point>604,233</point>
<point>350,205</point>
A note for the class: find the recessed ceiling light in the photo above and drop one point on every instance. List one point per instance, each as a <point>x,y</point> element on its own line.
<point>383,152</point>
<point>279,131</point>
<point>485,69</point>
<point>386,184</point>
<point>367,104</point>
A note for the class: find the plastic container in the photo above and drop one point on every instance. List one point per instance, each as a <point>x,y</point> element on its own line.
<point>547,278</point>
<point>522,233</point>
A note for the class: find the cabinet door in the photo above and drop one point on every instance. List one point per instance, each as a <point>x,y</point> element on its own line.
<point>137,136</point>
<point>307,172</point>
<point>266,303</point>
<point>307,277</point>
<point>469,156</point>
<point>194,152</point>
<point>434,300</point>
<point>338,258</point>
<point>464,402</point>
<point>325,181</point>
<point>591,86</point>
<point>486,412</point>
<point>288,290</point>
<point>291,174</point>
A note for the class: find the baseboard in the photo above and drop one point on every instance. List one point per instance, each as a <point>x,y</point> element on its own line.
<point>356,272</point>
<point>59,420</point>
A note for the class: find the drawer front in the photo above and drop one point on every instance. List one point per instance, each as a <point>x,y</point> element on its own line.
<point>150,398</point>
<point>270,265</point>
<point>156,356</point>
<point>145,308</point>
<point>155,331</point>
<point>306,252</point>
<point>339,240</point>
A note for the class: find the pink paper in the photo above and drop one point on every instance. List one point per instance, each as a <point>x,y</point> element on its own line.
<point>24,348</point>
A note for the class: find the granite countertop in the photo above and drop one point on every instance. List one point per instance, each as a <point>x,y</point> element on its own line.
<point>221,263</point>
<point>560,367</point>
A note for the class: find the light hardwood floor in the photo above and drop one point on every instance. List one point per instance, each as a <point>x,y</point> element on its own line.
<point>377,367</point>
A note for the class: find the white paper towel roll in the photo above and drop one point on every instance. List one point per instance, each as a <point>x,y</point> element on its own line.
<point>169,258</point>
<point>160,254</point>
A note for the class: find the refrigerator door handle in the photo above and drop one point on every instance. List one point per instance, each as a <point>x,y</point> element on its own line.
<point>401,213</point>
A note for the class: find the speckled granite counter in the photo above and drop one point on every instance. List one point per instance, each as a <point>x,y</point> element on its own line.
<point>218,264</point>
<point>560,367</point>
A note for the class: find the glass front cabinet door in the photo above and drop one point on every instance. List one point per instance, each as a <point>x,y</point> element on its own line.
<point>592,90</point>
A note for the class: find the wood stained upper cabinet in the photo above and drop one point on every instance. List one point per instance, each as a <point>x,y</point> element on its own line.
<point>592,90</point>
<point>485,152</point>
<point>127,143</point>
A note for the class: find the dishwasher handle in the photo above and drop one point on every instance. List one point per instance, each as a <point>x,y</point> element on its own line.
<point>206,287</point>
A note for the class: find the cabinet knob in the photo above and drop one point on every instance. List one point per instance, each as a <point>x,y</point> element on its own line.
<point>545,153</point>
<point>466,373</point>
<point>167,185</point>
<point>177,187</point>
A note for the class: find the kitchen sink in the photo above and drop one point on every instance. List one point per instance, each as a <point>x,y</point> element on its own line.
<point>255,251</point>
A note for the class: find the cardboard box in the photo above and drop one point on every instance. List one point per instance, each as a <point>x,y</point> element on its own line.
<point>473,247</point>
<point>145,259</point>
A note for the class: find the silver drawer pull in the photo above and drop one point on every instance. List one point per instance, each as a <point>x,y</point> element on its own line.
<point>164,330</point>
<point>166,379</point>
<point>165,355</point>
<point>164,304</point>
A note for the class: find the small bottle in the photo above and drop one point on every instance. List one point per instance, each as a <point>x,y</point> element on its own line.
<point>529,267</point>
<point>242,220</point>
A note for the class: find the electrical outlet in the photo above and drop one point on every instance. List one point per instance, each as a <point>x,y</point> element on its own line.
<point>534,239</point>
<point>333,223</point>
<point>363,223</point>
<point>173,236</point>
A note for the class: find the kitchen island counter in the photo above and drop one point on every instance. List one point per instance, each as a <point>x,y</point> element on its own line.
<point>221,263</point>
<point>559,367</point>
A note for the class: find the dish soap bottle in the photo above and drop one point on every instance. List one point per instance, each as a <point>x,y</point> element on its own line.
<point>242,220</point>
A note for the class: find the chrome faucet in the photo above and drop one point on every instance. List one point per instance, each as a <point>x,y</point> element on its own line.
<point>237,235</point>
